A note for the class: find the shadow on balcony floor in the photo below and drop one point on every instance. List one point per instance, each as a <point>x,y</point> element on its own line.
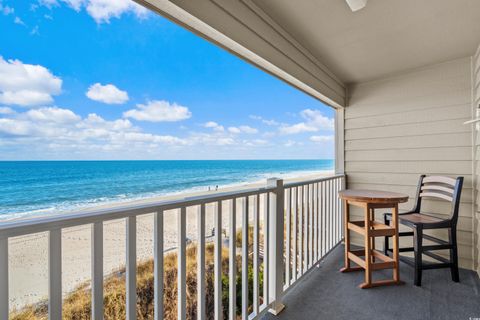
<point>326,293</point>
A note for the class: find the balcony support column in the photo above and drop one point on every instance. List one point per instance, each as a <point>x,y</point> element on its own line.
<point>339,141</point>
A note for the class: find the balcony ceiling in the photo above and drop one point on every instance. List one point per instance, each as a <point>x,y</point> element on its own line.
<point>386,37</point>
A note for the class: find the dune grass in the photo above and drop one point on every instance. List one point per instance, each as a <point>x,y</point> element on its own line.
<point>77,304</point>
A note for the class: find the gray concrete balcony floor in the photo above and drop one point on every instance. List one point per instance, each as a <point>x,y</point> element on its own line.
<point>325,293</point>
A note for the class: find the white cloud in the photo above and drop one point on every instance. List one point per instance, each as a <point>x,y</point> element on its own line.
<point>290,143</point>
<point>35,31</point>
<point>48,3</point>
<point>268,122</point>
<point>242,129</point>
<point>26,84</point>
<point>247,129</point>
<point>19,21</point>
<point>93,121</point>
<point>158,111</point>
<point>108,93</point>
<point>74,4</point>
<point>6,110</point>
<point>271,122</point>
<point>316,118</point>
<point>102,10</point>
<point>15,127</point>
<point>213,125</point>
<point>222,139</point>
<point>210,139</point>
<point>60,133</point>
<point>148,137</point>
<point>225,141</point>
<point>322,138</point>
<point>25,98</point>
<point>314,121</point>
<point>255,142</point>
<point>234,130</point>
<point>62,128</point>
<point>6,10</point>
<point>52,114</point>
<point>298,128</point>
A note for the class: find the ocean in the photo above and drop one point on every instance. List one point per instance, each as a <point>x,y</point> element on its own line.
<point>31,188</point>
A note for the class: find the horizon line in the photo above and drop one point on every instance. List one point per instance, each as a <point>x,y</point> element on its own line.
<point>91,160</point>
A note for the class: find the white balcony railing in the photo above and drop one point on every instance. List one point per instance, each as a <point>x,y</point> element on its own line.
<point>300,222</point>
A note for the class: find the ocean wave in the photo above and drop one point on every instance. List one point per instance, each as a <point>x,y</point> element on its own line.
<point>67,207</point>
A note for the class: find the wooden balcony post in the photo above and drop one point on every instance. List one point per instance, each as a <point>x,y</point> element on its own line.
<point>276,246</point>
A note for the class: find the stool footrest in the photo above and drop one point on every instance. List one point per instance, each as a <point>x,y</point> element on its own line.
<point>378,229</point>
<point>385,261</point>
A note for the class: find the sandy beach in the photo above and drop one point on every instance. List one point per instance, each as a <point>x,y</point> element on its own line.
<point>28,262</point>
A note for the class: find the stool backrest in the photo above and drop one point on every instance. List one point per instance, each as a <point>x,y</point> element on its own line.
<point>440,187</point>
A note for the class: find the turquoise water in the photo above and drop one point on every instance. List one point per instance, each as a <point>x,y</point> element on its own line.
<point>44,187</point>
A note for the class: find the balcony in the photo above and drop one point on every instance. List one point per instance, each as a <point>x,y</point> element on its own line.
<point>311,286</point>
<point>404,79</point>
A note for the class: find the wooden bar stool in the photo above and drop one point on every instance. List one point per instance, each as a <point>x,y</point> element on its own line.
<point>372,259</point>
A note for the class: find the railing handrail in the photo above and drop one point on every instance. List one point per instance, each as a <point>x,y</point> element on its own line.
<point>42,224</point>
<point>311,181</point>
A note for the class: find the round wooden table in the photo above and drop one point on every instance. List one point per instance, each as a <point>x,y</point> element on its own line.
<point>373,259</point>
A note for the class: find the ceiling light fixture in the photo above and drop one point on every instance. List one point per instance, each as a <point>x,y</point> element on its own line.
<point>356,5</point>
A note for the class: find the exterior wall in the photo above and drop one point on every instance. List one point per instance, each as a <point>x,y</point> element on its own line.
<point>476,112</point>
<point>410,124</point>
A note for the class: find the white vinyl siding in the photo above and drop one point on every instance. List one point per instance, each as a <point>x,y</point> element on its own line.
<point>400,127</point>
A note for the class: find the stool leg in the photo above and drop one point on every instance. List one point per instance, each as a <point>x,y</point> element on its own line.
<point>386,243</point>
<point>452,233</point>
<point>368,259</point>
<point>417,248</point>
<point>396,256</point>
<point>347,233</point>
<point>372,239</point>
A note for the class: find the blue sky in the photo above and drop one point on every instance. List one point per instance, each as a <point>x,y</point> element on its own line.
<point>106,79</point>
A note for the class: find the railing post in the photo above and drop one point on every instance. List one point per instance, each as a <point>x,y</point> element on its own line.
<point>131,268</point>
<point>158,253</point>
<point>97,270</point>
<point>55,274</point>
<point>276,246</point>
